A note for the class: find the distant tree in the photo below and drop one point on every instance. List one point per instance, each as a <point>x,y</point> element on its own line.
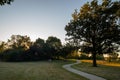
<point>18,41</point>
<point>38,49</point>
<point>96,25</point>
<point>39,42</point>
<point>16,48</point>
<point>2,47</point>
<point>54,44</point>
<point>68,50</point>
<point>3,2</point>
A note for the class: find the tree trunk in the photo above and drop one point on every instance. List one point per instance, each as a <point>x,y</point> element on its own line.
<point>94,60</point>
<point>94,53</point>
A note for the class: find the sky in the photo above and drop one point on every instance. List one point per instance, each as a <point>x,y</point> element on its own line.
<point>37,18</point>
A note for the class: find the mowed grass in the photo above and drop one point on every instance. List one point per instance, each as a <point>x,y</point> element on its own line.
<point>43,70</point>
<point>107,70</point>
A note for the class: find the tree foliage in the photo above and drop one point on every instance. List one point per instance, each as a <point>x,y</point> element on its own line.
<point>3,2</point>
<point>68,51</point>
<point>2,47</point>
<point>20,48</point>
<point>55,45</point>
<point>97,26</point>
<point>18,41</point>
<point>38,50</point>
<point>15,48</point>
<point>54,42</point>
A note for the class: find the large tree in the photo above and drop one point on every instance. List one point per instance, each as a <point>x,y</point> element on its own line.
<point>97,26</point>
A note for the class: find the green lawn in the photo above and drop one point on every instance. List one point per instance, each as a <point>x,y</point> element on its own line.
<point>110,71</point>
<point>43,70</point>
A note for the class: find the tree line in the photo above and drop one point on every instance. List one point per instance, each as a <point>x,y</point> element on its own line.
<point>21,48</point>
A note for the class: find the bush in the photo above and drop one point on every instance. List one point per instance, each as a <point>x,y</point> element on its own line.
<point>12,55</point>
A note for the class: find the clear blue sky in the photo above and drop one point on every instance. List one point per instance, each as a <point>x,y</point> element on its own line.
<point>37,18</point>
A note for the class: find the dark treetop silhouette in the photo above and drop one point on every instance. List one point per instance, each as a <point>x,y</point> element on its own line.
<point>3,2</point>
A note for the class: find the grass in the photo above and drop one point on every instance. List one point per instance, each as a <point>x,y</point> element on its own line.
<point>107,70</point>
<point>43,70</point>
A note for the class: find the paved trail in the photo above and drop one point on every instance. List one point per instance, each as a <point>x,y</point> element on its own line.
<point>89,76</point>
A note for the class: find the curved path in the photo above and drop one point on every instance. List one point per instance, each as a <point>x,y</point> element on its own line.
<point>86,75</point>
